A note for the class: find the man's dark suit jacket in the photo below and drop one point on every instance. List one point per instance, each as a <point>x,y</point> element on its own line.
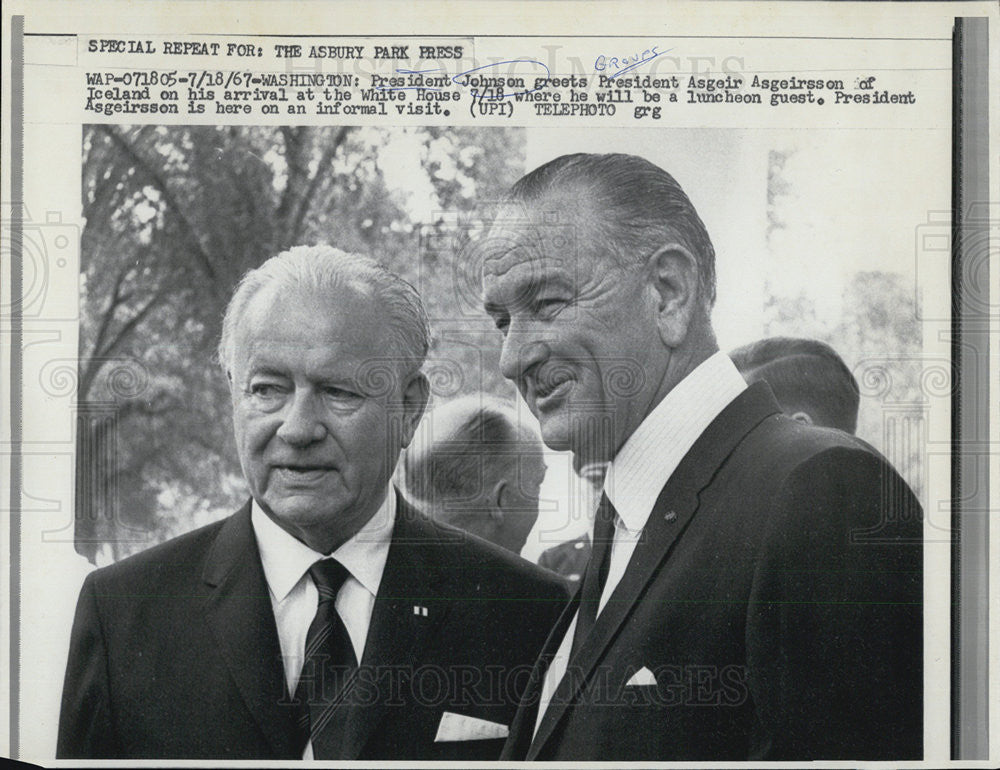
<point>175,651</point>
<point>775,597</point>
<point>568,559</point>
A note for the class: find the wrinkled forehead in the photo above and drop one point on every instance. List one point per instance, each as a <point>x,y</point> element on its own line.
<point>543,238</point>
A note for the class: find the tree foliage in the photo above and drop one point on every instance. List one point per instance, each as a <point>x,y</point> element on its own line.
<point>174,217</point>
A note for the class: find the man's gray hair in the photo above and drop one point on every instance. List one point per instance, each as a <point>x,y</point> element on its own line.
<point>322,269</point>
<point>642,207</point>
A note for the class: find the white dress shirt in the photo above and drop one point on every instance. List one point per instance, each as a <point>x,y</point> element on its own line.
<point>642,468</point>
<point>294,598</point>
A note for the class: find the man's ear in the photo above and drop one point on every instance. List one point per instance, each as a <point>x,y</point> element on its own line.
<point>415,395</point>
<point>802,417</point>
<point>673,274</point>
<point>498,499</point>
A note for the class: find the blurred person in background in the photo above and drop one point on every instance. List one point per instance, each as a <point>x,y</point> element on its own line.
<point>569,559</point>
<point>475,466</point>
<point>811,383</point>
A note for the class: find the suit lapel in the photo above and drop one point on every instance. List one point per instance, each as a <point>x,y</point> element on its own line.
<point>523,727</point>
<point>239,611</point>
<point>413,600</point>
<point>671,514</point>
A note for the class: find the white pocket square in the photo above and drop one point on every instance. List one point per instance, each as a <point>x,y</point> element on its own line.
<point>457,727</point>
<point>641,677</point>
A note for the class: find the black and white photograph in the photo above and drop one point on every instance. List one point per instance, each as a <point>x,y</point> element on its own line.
<point>513,335</point>
<point>429,417</point>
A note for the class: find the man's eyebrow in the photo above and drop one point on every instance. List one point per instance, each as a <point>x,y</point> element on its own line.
<point>537,285</point>
<point>265,371</point>
<point>326,378</point>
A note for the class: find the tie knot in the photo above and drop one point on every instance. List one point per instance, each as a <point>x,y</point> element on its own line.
<point>328,575</point>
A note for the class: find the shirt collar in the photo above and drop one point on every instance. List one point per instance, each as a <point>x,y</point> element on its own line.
<point>286,559</point>
<point>652,453</point>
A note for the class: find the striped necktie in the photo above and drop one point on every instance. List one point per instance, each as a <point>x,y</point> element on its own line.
<point>328,664</point>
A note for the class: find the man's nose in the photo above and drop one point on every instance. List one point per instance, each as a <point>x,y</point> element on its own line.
<point>303,423</point>
<point>522,349</point>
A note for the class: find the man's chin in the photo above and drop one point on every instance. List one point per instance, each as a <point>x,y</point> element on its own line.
<point>555,432</point>
<point>587,444</point>
<point>306,511</point>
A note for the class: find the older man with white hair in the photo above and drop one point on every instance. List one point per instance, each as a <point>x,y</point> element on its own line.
<point>326,618</point>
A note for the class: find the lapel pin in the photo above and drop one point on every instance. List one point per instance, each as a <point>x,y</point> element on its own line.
<point>670,516</point>
<point>421,611</point>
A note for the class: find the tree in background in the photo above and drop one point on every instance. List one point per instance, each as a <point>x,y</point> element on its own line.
<point>174,217</point>
<point>879,337</point>
<point>874,327</point>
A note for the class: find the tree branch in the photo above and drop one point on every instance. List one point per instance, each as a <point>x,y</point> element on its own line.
<point>134,321</point>
<point>306,201</point>
<point>293,149</point>
<point>202,259</point>
<point>90,371</point>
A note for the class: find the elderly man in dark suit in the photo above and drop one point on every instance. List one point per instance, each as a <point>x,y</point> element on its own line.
<point>755,588</point>
<point>326,618</point>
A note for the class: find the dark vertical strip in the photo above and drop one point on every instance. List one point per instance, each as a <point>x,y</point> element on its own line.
<point>16,329</point>
<point>971,401</point>
<point>956,401</point>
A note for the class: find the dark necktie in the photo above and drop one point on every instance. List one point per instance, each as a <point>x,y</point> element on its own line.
<point>597,572</point>
<point>327,665</point>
